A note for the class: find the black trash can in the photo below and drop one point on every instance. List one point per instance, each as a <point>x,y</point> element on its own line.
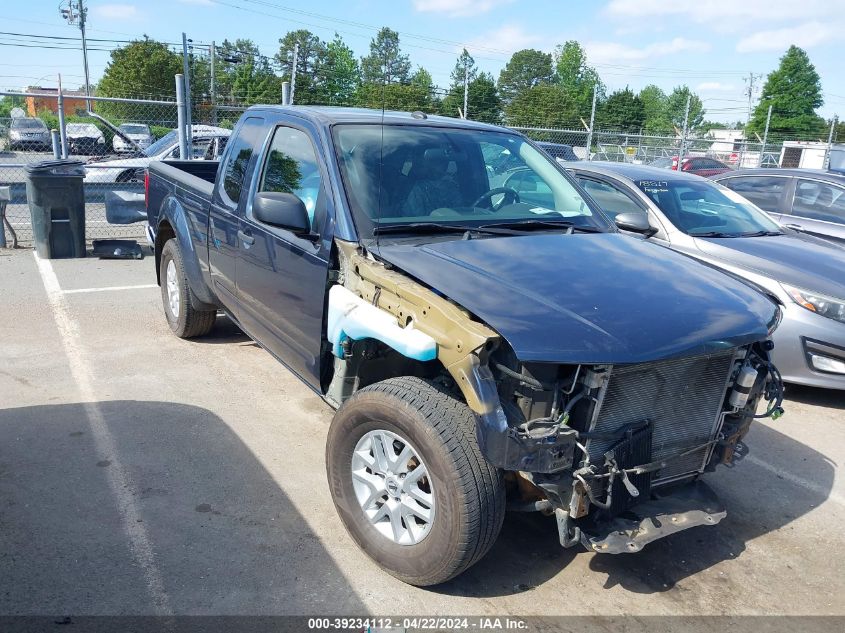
<point>57,206</point>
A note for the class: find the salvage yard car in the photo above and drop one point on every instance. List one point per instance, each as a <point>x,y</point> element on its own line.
<point>85,138</point>
<point>712,223</point>
<point>138,133</point>
<point>208,143</point>
<point>481,351</point>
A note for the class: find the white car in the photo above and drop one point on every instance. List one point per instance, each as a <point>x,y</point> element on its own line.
<point>85,138</point>
<point>137,132</point>
<point>208,144</point>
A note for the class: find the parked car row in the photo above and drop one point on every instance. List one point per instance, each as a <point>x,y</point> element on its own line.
<point>31,133</point>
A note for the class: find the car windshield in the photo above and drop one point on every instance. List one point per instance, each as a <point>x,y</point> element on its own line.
<point>29,124</point>
<point>84,128</point>
<point>416,176</point>
<point>131,128</point>
<point>705,209</point>
<point>162,144</point>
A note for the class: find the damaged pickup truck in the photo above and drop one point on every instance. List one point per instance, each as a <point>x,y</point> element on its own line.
<point>486,348</point>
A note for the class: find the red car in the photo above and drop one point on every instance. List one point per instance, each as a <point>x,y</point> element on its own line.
<point>698,165</point>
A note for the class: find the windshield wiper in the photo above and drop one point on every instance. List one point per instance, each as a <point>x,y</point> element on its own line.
<point>761,233</point>
<point>529,225</point>
<point>421,228</point>
<point>720,234</point>
<point>713,234</point>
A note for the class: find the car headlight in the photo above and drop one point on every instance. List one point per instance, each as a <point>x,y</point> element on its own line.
<point>818,303</point>
<point>101,140</point>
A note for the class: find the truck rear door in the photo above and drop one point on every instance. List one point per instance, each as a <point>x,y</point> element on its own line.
<point>282,275</point>
<point>232,187</point>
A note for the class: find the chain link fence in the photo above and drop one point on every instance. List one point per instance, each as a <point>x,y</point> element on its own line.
<point>117,138</point>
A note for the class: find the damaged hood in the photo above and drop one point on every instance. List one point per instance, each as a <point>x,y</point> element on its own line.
<point>589,298</point>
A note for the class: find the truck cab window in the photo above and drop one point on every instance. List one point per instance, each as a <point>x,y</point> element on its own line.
<point>292,167</point>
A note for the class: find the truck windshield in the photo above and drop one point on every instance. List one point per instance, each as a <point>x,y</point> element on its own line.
<point>398,175</point>
<point>704,209</point>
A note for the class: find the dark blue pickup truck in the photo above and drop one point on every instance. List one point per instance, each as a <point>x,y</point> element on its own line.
<point>490,342</point>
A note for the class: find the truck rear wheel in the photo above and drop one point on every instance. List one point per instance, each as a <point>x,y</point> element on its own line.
<point>185,320</point>
<point>409,481</point>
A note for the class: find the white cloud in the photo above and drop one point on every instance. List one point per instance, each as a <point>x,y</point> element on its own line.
<point>510,37</point>
<point>615,53</point>
<point>457,8</point>
<point>714,86</point>
<point>116,11</point>
<point>202,3</point>
<point>804,35</point>
<point>717,13</point>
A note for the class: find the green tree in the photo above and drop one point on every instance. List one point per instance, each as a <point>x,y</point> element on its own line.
<point>622,111</point>
<point>676,104</point>
<point>386,62</point>
<point>143,68</point>
<point>253,84</point>
<point>656,117</point>
<point>483,98</point>
<point>309,63</point>
<point>228,57</point>
<point>543,105</point>
<point>340,75</point>
<point>794,91</point>
<point>526,69</point>
<point>464,67</point>
<point>8,103</point>
<point>576,77</point>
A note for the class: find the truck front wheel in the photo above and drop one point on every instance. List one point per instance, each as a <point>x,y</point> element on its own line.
<point>185,320</point>
<point>409,481</point>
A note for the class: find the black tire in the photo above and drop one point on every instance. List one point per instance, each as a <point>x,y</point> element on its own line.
<point>189,322</point>
<point>469,493</point>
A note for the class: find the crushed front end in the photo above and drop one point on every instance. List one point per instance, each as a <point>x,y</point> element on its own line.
<point>616,451</point>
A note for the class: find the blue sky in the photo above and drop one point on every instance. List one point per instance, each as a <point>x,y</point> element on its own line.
<point>710,45</point>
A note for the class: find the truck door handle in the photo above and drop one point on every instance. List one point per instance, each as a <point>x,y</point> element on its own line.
<point>248,240</point>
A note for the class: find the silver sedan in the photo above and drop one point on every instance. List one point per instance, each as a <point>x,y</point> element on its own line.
<point>716,225</point>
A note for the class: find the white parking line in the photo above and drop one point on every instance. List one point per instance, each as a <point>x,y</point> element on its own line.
<point>107,289</point>
<point>119,482</point>
<point>798,481</point>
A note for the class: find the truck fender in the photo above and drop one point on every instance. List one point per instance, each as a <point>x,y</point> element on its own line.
<point>172,212</point>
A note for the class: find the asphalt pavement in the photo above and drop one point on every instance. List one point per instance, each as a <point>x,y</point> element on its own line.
<point>143,474</point>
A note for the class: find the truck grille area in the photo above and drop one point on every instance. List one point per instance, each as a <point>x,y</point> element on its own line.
<point>682,398</point>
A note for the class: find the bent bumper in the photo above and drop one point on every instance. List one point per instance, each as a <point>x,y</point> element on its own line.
<point>688,506</point>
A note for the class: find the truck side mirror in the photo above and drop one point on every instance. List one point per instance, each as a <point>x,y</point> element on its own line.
<point>635,223</point>
<point>282,210</point>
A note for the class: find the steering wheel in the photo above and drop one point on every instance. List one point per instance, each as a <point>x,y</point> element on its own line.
<point>507,192</point>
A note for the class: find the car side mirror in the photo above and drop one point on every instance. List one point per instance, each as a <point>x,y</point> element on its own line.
<point>282,210</point>
<point>635,223</point>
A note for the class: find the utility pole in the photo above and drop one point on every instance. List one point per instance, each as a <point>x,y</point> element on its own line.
<point>77,13</point>
<point>750,94</point>
<point>293,72</point>
<point>829,142</point>
<point>684,135</point>
<point>592,125</point>
<point>186,73</point>
<point>466,88</point>
<point>212,55</point>
<point>765,137</point>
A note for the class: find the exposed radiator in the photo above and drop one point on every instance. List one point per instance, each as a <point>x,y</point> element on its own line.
<point>683,400</point>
